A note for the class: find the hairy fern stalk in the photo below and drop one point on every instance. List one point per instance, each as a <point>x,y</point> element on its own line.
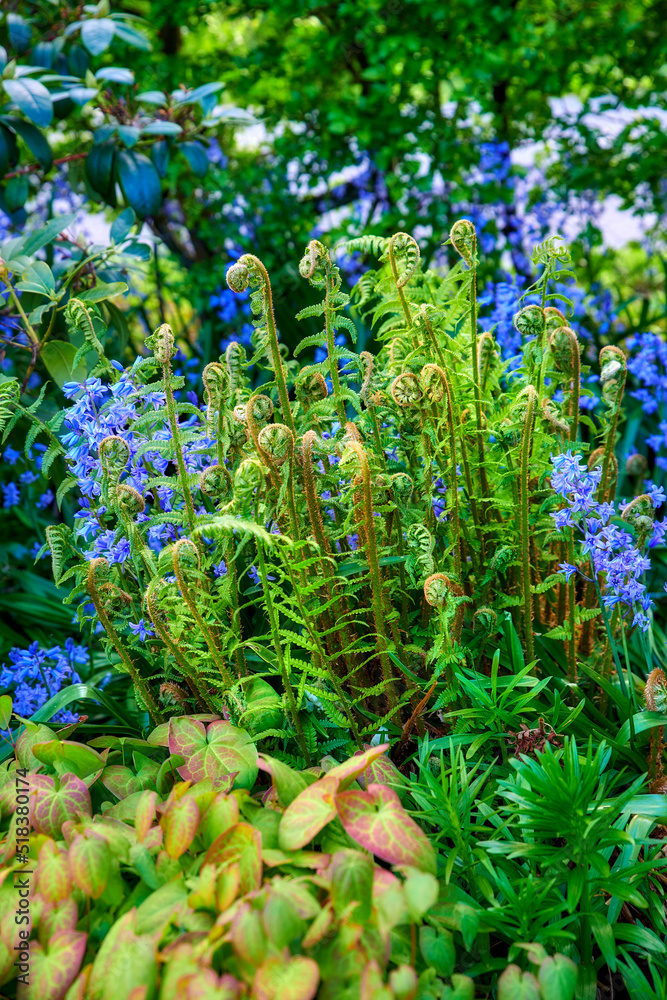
<point>287,531</point>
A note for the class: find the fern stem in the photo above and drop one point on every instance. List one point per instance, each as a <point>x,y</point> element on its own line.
<point>524,520</point>
<point>139,682</point>
<point>571,597</point>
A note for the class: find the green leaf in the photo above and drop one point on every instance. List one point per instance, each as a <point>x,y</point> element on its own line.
<point>90,864</point>
<point>38,278</point>
<point>241,843</point>
<point>54,967</point>
<point>604,938</point>
<point>122,225</point>
<point>377,820</point>
<point>58,357</point>
<point>139,182</point>
<point>162,128</point>
<point>19,31</point>
<point>196,156</point>
<point>9,153</point>
<point>97,34</point>
<point>6,706</point>
<point>213,752</point>
<point>34,140</point>
<point>296,979</point>
<point>75,757</point>
<point>103,291</point>
<point>99,167</point>
<point>83,692</point>
<point>514,984</point>
<point>557,978</point>
<point>287,782</point>
<point>438,950</point>
<point>33,242</point>
<point>125,961</point>
<point>309,813</point>
<point>180,824</point>
<point>32,98</point>
<point>16,193</point>
<point>351,874</point>
<point>115,74</point>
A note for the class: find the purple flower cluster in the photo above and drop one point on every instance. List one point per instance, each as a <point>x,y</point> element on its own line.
<point>649,366</point>
<point>610,549</point>
<point>34,675</point>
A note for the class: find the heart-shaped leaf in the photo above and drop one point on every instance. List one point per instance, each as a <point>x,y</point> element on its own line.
<point>213,752</point>
<point>62,917</point>
<point>90,864</point>
<point>76,757</point>
<point>309,813</point>
<point>53,875</point>
<point>557,978</point>
<point>57,800</point>
<point>243,843</point>
<point>377,820</point>
<point>180,824</point>
<point>296,979</point>
<point>144,813</point>
<point>350,769</point>
<point>221,815</point>
<point>124,961</point>
<point>53,969</point>
<point>438,950</point>
<point>120,781</point>
<point>351,874</point>
<point>514,984</point>
<point>287,782</point>
<point>31,735</point>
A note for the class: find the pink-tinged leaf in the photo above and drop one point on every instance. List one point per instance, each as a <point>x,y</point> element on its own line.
<point>299,859</point>
<point>227,886</point>
<point>57,800</point>
<point>76,757</point>
<point>350,769</point>
<point>180,826</point>
<point>215,752</point>
<point>319,927</point>
<point>380,771</point>
<point>79,988</point>
<point>309,813</point>
<point>372,987</point>
<point>124,961</point>
<point>90,864</point>
<point>248,936</point>
<point>31,734</point>
<point>54,969</point>
<point>377,820</point>
<point>383,880</point>
<point>221,815</point>
<point>54,919</point>
<point>296,979</point>
<point>138,993</point>
<point>53,878</point>
<point>242,843</point>
<point>144,814</point>
<point>205,985</point>
<point>159,737</point>
<point>514,984</point>
<point>120,781</point>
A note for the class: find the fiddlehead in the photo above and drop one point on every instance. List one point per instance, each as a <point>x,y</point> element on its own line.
<point>435,385</point>
<point>114,452</point>
<point>249,272</point>
<point>655,696</point>
<point>613,373</point>
<point>529,395</point>
<point>403,250</point>
<point>565,351</point>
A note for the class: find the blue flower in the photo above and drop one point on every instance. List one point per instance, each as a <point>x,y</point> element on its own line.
<point>141,629</point>
<point>10,495</point>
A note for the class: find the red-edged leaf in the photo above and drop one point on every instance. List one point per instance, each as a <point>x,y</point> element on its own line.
<point>247,935</point>
<point>380,771</point>
<point>32,734</point>
<point>372,987</point>
<point>54,919</point>
<point>124,961</point>
<point>213,752</point>
<point>159,737</point>
<point>296,979</point>
<point>221,815</point>
<point>309,813</point>
<point>53,877</point>
<point>205,985</point>
<point>120,781</point>
<point>243,843</point>
<point>350,769</point>
<point>144,814</point>
<point>377,820</point>
<point>90,864</point>
<point>287,782</point>
<point>180,826</point>
<point>57,800</point>
<point>54,969</point>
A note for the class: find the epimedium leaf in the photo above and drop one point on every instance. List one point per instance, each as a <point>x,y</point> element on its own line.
<point>139,182</point>
<point>309,813</point>
<point>377,820</point>
<point>437,947</point>
<point>57,800</point>
<point>351,874</point>
<point>90,864</point>
<point>296,979</point>
<point>54,968</point>
<point>120,780</point>
<point>350,769</point>
<point>287,782</point>
<point>513,984</point>
<point>180,824</point>
<point>76,756</point>
<point>125,960</point>
<point>557,978</point>
<point>53,874</point>
<point>32,98</point>
<point>242,843</point>
<point>213,752</point>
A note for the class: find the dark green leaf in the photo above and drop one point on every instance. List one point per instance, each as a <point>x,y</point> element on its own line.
<point>103,291</point>
<point>99,167</point>
<point>122,225</point>
<point>19,32</point>
<point>195,154</point>
<point>160,156</point>
<point>139,182</point>
<point>32,98</point>
<point>35,141</point>
<point>16,192</point>
<point>58,357</point>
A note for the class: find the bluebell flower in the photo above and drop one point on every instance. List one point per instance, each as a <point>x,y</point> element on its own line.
<point>10,495</point>
<point>141,629</point>
<point>11,455</point>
